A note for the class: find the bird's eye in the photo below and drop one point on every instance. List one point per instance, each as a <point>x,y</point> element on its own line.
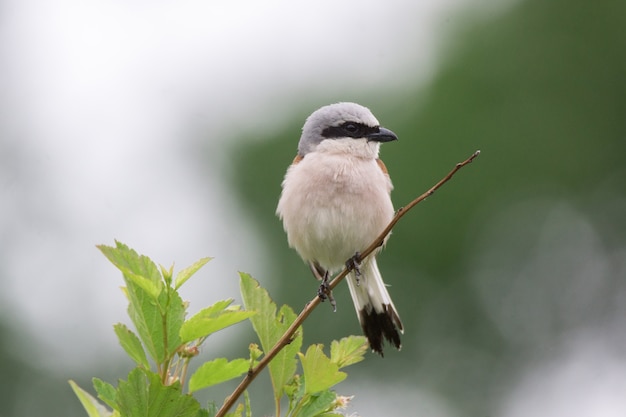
<point>351,127</point>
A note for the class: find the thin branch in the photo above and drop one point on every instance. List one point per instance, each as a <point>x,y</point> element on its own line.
<point>308,309</point>
<point>403,210</point>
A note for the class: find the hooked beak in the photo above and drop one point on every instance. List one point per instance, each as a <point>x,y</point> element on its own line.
<point>383,135</point>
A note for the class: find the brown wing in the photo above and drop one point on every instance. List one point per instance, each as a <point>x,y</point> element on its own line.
<point>297,159</point>
<point>382,166</point>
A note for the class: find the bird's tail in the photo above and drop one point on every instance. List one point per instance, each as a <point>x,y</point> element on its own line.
<point>377,314</point>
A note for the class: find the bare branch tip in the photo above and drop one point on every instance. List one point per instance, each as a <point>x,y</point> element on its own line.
<point>469,160</point>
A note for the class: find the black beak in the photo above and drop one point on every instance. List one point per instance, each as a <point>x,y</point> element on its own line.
<point>383,135</point>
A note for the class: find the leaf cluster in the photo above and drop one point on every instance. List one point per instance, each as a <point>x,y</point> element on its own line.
<point>165,341</point>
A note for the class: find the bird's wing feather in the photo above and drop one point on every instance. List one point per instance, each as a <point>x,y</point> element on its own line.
<point>382,166</point>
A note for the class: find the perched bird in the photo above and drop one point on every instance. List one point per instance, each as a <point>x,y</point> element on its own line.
<point>335,201</point>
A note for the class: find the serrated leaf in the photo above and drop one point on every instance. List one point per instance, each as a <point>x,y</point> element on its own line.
<point>148,302</point>
<point>146,316</point>
<point>269,327</point>
<point>106,392</point>
<point>143,395</point>
<point>175,308</point>
<point>283,366</point>
<point>157,323</point>
<point>203,413</point>
<point>131,344</point>
<point>317,404</point>
<point>186,273</point>
<point>217,371</point>
<point>349,350</point>
<point>151,288</point>
<point>319,372</point>
<point>212,319</point>
<point>90,404</point>
<point>127,260</point>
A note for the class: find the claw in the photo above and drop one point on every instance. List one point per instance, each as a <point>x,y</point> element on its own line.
<point>324,292</point>
<point>354,264</point>
<point>332,301</point>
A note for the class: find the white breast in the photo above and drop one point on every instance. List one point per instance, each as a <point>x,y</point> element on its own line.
<point>334,203</point>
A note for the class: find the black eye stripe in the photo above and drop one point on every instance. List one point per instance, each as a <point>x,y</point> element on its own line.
<point>349,129</point>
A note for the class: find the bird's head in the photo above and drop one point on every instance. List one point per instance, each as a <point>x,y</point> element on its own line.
<point>343,125</point>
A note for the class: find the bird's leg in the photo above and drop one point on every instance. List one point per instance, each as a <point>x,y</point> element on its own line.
<point>354,264</point>
<point>325,292</point>
<point>323,289</point>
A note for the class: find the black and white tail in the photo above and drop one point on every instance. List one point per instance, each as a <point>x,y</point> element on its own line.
<point>377,314</point>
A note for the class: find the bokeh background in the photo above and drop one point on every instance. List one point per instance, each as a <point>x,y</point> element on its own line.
<point>169,125</point>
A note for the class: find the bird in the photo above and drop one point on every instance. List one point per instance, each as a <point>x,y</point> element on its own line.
<point>335,200</point>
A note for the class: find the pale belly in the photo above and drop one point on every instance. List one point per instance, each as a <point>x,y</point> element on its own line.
<point>328,224</point>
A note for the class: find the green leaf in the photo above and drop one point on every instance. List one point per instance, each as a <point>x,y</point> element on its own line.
<point>131,344</point>
<point>246,401</point>
<point>156,314</point>
<point>144,395</point>
<point>106,392</point>
<point>146,316</point>
<point>320,373</point>
<point>255,354</point>
<point>134,266</point>
<point>174,308</point>
<point>167,274</point>
<point>217,371</point>
<point>283,366</point>
<point>151,288</point>
<point>317,404</point>
<point>294,390</point>
<point>158,324</point>
<point>212,409</point>
<point>203,413</point>
<point>211,319</point>
<point>269,327</point>
<point>186,273</point>
<point>90,404</point>
<point>348,350</point>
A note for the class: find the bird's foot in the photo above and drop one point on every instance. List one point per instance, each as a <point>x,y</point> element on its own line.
<point>324,292</point>
<point>354,264</point>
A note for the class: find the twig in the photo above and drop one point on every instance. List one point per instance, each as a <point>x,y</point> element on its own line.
<point>308,309</point>
<point>403,210</point>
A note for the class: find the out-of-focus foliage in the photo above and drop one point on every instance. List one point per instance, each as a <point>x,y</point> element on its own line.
<point>518,252</point>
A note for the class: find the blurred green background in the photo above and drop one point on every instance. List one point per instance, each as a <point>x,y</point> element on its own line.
<point>511,280</point>
<point>524,249</point>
